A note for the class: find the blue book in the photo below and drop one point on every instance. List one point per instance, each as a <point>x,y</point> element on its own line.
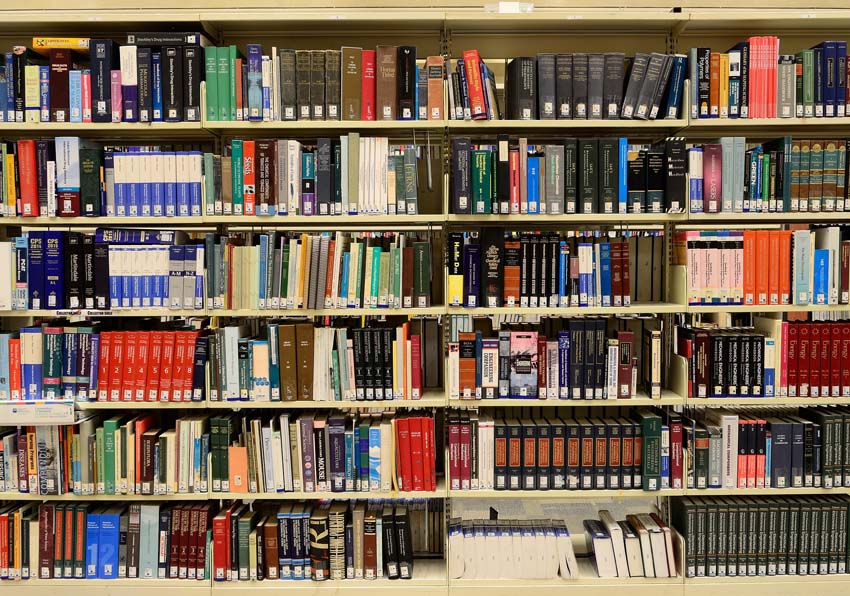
<point>107,556</point>
<point>695,185</point>
<point>478,349</point>
<point>267,92</point>
<point>355,463</point>
<point>4,90</point>
<point>564,364</point>
<point>148,541</point>
<point>768,458</point>
<point>31,369</point>
<point>21,261</point>
<point>827,79</point>
<point>44,94</point>
<point>183,159</point>
<point>264,250</point>
<point>195,182</point>
<point>284,551</point>
<point>254,61</point>
<point>70,347</point>
<point>672,106</point>
<point>35,266</point>
<point>75,95</point>
<point>92,544</point>
<point>605,273</point>
<point>533,185</point>
<point>665,453</point>
<point>156,86</point>
<point>349,459</point>
<point>343,284</point>
<point>564,273</point>
<point>144,163</point>
<point>10,87</point>
<point>375,457</point>
<point>623,175</point>
<point>94,365</point>
<point>472,273</point>
<point>114,236</point>
<point>820,276</point>
<point>54,270</point>
<point>4,366</point>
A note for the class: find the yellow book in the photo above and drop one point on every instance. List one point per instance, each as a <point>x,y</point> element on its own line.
<point>724,85</point>
<point>43,45</point>
<point>32,97</point>
<point>11,195</point>
<point>302,269</point>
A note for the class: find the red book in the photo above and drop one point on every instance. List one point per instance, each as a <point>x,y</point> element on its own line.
<point>185,529</point>
<point>15,368</point>
<point>432,453</point>
<point>180,343</point>
<point>465,453</point>
<point>28,179</point>
<point>415,366</point>
<point>166,367</point>
<point>624,260</point>
<point>404,463</point>
<point>103,365</point>
<point>814,348</point>
<point>221,540</point>
<point>189,363</point>
<point>454,451</point>
<point>542,391</point>
<point>192,543</point>
<point>201,558</point>
<point>176,517</point>
<point>367,88</point>
<point>824,357</point>
<point>417,468</point>
<point>249,177</point>
<point>845,359</point>
<point>791,362</point>
<point>428,474</point>
<point>128,381</point>
<point>472,68</point>
<point>154,362</point>
<point>752,451</point>
<point>803,363</point>
<point>142,425</point>
<point>116,369</point>
<point>143,339</point>
<point>835,370</point>
<point>513,165</point>
<point>761,446</point>
<point>4,543</point>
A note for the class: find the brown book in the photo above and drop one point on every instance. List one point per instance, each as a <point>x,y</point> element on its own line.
<point>183,553</point>
<point>317,84</point>
<point>434,69</point>
<point>149,440</point>
<point>227,183</point>
<point>191,544</point>
<point>174,558</point>
<point>240,98</point>
<point>333,80</point>
<point>266,160</point>
<point>407,277</point>
<point>203,523</point>
<point>386,85</point>
<point>304,351</point>
<point>370,546</point>
<point>45,541</point>
<point>351,83</point>
<point>302,83</point>
<point>60,68</point>
<point>288,363</point>
<point>269,530</point>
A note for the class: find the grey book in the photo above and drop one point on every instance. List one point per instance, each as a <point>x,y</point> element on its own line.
<point>317,85</point>
<point>727,179</point>
<point>546,86</point>
<point>564,86</point>
<point>322,272</point>
<point>410,197</point>
<point>570,175</point>
<point>648,85</point>
<point>612,86</point>
<point>580,84</point>
<point>302,83</point>
<point>313,271</point>
<point>332,85</point>
<point>633,87</point>
<point>288,97</point>
<point>661,87</point>
<point>786,87</point>
<point>595,85</point>
<point>554,184</point>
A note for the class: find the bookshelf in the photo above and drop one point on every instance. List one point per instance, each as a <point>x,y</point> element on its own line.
<point>449,28</point>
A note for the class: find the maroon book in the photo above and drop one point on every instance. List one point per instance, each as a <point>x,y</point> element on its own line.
<point>60,67</point>
<point>45,541</point>
<point>712,174</point>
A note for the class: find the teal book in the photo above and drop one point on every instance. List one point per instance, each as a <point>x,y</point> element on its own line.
<point>148,541</point>
<point>374,291</point>
<point>274,363</point>
<point>211,79</point>
<point>237,176</point>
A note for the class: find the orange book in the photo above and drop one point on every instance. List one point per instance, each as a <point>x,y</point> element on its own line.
<point>240,113</point>
<point>714,88</point>
<point>749,267</point>
<point>785,267</point>
<point>15,368</point>
<point>237,465</point>
<point>249,177</point>
<point>762,266</point>
<point>774,262</point>
<point>328,303</point>
<point>466,372</point>
<point>434,70</point>
<point>512,272</point>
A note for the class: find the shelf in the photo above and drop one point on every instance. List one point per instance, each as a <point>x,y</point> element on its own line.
<point>324,220</point>
<point>774,585</point>
<point>106,587</point>
<point>759,219</point>
<point>754,492</point>
<point>311,126</point>
<point>119,312</point>
<point>570,218</point>
<point>440,493</point>
<point>141,405</point>
<point>566,495</point>
<point>756,126</point>
<point>9,496</point>
<point>722,402</point>
<point>101,221</point>
<point>755,308</point>
<point>431,399</point>
<point>163,130</point>
<point>329,312</point>
<point>634,309</point>
<point>429,577</point>
<point>668,398</point>
<point>563,126</point>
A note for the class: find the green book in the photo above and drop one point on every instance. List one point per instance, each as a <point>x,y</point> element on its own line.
<point>91,161</point>
<point>481,180</point>
<point>375,279</point>
<point>384,279</point>
<point>830,174</point>
<point>816,176</point>
<point>214,454</point>
<point>247,522</point>
<point>398,164</point>
<point>335,375</point>
<point>224,99</point>
<point>364,453</point>
<point>765,181</point>
<point>100,487</point>
<point>410,197</point>
<point>109,428</point>
<point>808,83</point>
<point>233,54</point>
<point>421,274</point>
<point>236,176</point>
<point>211,78</point>
<point>52,367</point>
<point>650,450</point>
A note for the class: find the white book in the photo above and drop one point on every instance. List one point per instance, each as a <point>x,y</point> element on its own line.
<point>645,546</point>
<point>285,455</point>
<point>268,459</point>
<point>616,534</point>
<point>453,370</point>
<point>599,541</point>
<point>657,545</point>
<point>633,551</point>
<point>6,275</point>
<point>362,178</point>
<point>293,177</point>
<point>567,563</point>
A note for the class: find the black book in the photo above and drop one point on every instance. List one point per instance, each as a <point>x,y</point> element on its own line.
<point>89,281</point>
<point>636,182</point>
<point>324,176</point>
<point>634,84</point>
<point>172,83</point>
<point>589,379</point>
<point>524,273</point>
<point>595,85</point>
<point>601,357</point>
<point>461,175</point>
<point>317,84</point>
<point>387,348</point>
<point>522,89</point>
<point>609,175</point>
<point>564,86</point>
<point>577,358</point>
<point>288,101</point>
<point>533,270</point>
<point>703,89</point>
<point>492,250</point>
<point>170,38</point>
<point>333,60</point>
<point>199,367</point>
<point>44,152</point>
<point>103,60</point>
<point>406,82</point>
<point>573,454</point>
<point>390,543</point>
<point>368,365</point>
<point>612,87</point>
<point>580,86</point>
<point>101,276</point>
<point>544,453</point>
<point>378,362</point>
<point>503,176</point>
<point>656,181</point>
<point>401,521</point>
<point>528,455</point>
<point>570,175</point>
<point>144,76</point>
<point>359,365</point>
<point>321,455</point>
<point>600,453</point>
<point>554,260</point>
<point>627,441</point>
<point>649,86</point>
<point>514,463</point>
<point>192,76</point>
<point>73,270</point>
<point>676,183</point>
<point>588,175</point>
<point>546,94</point>
<point>302,83</point>
<point>500,462</point>
<point>586,459</point>
<point>164,542</point>
<point>661,88</point>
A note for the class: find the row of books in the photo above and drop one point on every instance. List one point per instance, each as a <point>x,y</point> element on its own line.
<point>494,268</point>
<point>580,359</point>
<point>503,453</point>
<point>154,77</point>
<point>765,267</point>
<point>236,542</point>
<point>781,176</point>
<point>758,536</point>
<point>639,546</point>
<point>568,86</point>
<point>754,80</point>
<point>606,175</point>
<point>145,455</point>
<point>790,358</point>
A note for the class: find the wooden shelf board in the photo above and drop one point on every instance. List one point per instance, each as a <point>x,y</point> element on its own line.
<point>323,125</point>
<point>758,219</point>
<point>668,398</point>
<point>634,309</point>
<point>575,218</point>
<point>99,222</point>
<point>9,496</point>
<point>751,492</point>
<point>104,129</point>
<point>106,587</point>
<point>580,495</point>
<point>320,220</point>
<point>440,493</point>
<point>140,405</point>
<point>723,402</point>
<point>434,399</point>
<point>121,312</point>
<point>493,126</point>
<point>333,312</point>
<point>711,308</point>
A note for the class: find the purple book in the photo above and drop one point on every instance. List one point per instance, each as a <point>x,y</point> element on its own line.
<point>308,184</point>
<point>471,275</point>
<point>129,83</point>
<point>712,174</point>
<point>336,455</point>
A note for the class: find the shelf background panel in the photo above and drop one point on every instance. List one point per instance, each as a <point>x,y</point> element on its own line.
<point>107,587</point>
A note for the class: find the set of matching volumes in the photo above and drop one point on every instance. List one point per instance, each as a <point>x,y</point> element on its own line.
<point>378,270</point>
<point>623,453</point>
<point>347,362</point>
<point>606,175</point>
<point>371,453</point>
<point>59,360</point>
<point>781,176</point>
<point>765,267</point>
<point>579,359</point>
<point>761,536</point>
<point>753,80</point>
<point>492,268</point>
<point>568,86</point>
<point>154,77</point>
<point>351,83</point>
